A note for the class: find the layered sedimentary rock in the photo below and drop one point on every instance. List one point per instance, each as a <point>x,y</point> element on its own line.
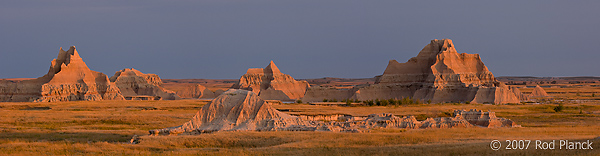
<point>133,83</point>
<point>68,79</point>
<point>519,94</point>
<point>21,90</point>
<point>271,84</point>
<point>325,93</point>
<point>196,91</point>
<point>237,110</point>
<point>461,119</point>
<point>241,110</point>
<point>538,92</point>
<point>440,74</point>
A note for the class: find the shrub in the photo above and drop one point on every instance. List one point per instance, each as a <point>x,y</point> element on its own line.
<point>324,100</point>
<point>392,101</point>
<point>369,102</point>
<point>559,108</point>
<point>429,101</point>
<point>348,102</point>
<point>384,102</point>
<point>298,101</point>
<point>334,100</point>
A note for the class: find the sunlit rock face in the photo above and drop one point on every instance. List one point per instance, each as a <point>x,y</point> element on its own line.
<point>538,92</point>
<point>439,74</point>
<point>271,84</point>
<point>237,110</point>
<point>68,79</point>
<point>133,83</point>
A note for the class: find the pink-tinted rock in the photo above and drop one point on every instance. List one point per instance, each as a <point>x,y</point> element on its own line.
<point>271,84</point>
<point>134,83</point>
<point>68,79</point>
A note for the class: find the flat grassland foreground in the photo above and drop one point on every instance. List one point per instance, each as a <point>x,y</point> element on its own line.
<point>106,128</point>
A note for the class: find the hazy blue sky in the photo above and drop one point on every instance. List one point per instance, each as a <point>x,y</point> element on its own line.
<point>305,38</point>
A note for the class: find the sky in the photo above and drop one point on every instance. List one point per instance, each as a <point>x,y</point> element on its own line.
<point>221,39</point>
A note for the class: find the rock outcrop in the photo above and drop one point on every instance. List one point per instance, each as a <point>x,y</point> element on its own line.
<point>461,119</point>
<point>237,110</point>
<point>68,79</point>
<point>538,92</point>
<point>440,74</point>
<point>519,94</point>
<point>21,90</point>
<point>270,84</point>
<point>196,91</point>
<point>133,83</point>
<point>242,110</point>
<point>314,94</point>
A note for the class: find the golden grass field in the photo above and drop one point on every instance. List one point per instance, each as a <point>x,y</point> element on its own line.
<point>106,127</point>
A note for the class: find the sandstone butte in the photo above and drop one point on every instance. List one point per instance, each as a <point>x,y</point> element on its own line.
<point>198,91</point>
<point>438,73</point>
<point>270,84</point>
<point>70,79</point>
<point>242,110</point>
<point>538,92</point>
<point>134,83</point>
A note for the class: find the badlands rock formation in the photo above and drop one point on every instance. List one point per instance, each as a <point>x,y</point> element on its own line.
<point>519,94</point>
<point>134,83</point>
<point>314,94</point>
<point>461,119</point>
<point>196,91</point>
<point>538,92</point>
<point>271,84</point>
<point>237,110</point>
<point>242,110</point>
<point>68,79</point>
<point>440,74</point>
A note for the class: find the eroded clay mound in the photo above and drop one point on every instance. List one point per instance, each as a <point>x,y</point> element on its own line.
<point>539,92</point>
<point>270,84</point>
<point>238,110</point>
<point>196,91</point>
<point>438,73</point>
<point>68,79</point>
<point>461,119</point>
<point>133,83</point>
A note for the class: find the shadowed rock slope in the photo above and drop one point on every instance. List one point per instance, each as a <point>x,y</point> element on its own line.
<point>197,91</point>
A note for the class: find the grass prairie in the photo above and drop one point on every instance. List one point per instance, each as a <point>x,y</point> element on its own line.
<point>106,127</point>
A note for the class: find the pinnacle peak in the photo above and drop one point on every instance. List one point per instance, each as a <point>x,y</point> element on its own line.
<point>271,68</point>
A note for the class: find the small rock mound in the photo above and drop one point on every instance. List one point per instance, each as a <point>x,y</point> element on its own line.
<point>539,92</point>
<point>237,110</point>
